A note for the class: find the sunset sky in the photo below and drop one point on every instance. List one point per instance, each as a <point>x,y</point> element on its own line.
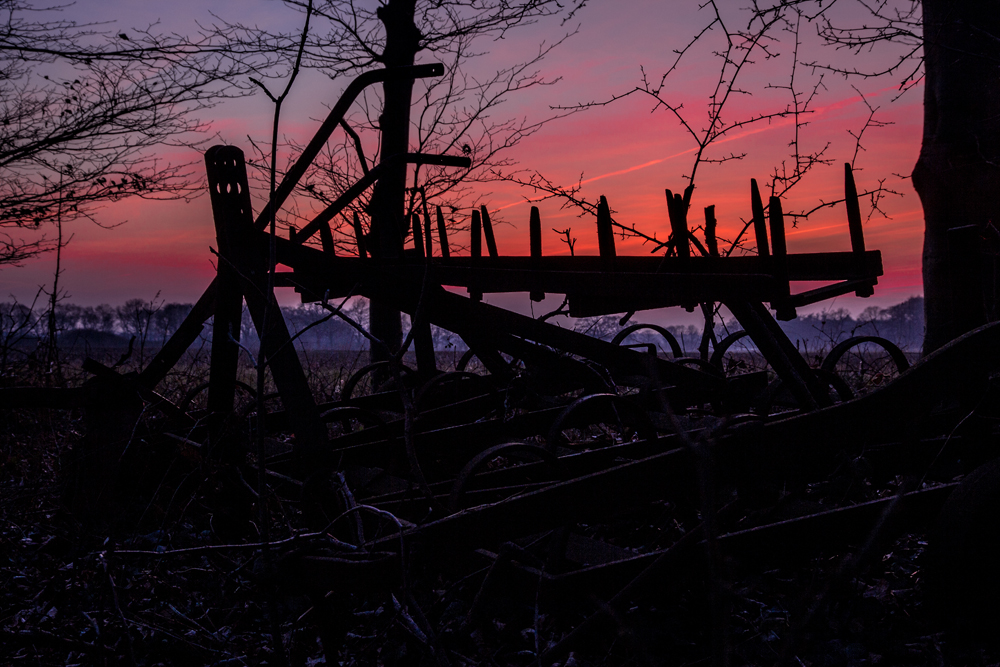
<point>624,150</point>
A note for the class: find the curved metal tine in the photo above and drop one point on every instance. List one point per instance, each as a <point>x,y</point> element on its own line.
<point>675,347</point>
<point>897,355</point>
<point>479,461</point>
<point>426,389</point>
<point>723,346</point>
<point>347,392</point>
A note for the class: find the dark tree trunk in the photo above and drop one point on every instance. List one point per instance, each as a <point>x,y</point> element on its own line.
<point>958,173</point>
<point>388,197</point>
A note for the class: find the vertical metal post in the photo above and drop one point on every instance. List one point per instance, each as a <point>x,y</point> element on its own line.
<point>491,242</point>
<point>442,235</point>
<point>231,207</point>
<point>854,225</point>
<point>535,242</point>
<point>759,224</point>
<point>428,236</point>
<point>779,262</point>
<point>476,242</point>
<point>711,240</point>
<point>359,237</point>
<point>476,250</point>
<point>677,211</point>
<point>605,234</point>
<point>230,196</point>
<point>418,235</point>
<point>326,238</point>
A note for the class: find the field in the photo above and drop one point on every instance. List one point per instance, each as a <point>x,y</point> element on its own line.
<point>173,573</point>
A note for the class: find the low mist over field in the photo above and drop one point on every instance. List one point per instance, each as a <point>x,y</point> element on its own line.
<point>153,322</point>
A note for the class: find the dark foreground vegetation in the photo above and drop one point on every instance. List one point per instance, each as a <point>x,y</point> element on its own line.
<point>171,569</point>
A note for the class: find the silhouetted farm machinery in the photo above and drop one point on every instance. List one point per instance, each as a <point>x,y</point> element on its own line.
<point>510,469</point>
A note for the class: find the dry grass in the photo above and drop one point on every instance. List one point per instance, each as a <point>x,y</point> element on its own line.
<point>70,596</point>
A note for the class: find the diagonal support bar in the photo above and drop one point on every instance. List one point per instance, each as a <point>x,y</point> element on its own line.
<point>186,334</point>
<point>333,119</point>
<point>786,361</point>
<point>193,324</point>
<point>246,256</point>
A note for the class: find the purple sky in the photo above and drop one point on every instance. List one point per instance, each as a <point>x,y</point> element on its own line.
<point>623,151</point>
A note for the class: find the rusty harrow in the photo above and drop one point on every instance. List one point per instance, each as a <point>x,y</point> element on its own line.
<point>507,473</point>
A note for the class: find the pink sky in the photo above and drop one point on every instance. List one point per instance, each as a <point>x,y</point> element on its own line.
<point>622,150</point>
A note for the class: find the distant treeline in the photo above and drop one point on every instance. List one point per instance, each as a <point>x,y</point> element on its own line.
<point>902,324</point>
<point>153,322</point>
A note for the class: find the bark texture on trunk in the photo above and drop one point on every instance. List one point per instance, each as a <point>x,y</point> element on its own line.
<point>957,175</point>
<point>402,40</point>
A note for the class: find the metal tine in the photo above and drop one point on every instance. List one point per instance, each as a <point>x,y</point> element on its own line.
<point>491,242</point>
<point>442,235</point>
<point>678,224</point>
<point>605,233</point>
<point>853,210</point>
<point>326,238</point>
<point>476,249</point>
<point>418,235</point>
<point>535,241</point>
<point>476,242</point>
<point>854,225</point>
<point>359,237</point>
<point>759,223</point>
<point>710,238</point>
<point>779,266</point>
<point>428,235</point>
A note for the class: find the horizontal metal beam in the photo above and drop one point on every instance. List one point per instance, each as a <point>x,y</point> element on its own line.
<point>399,285</point>
<point>638,283</point>
<point>801,266</point>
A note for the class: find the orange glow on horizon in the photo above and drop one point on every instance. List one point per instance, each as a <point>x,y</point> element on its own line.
<point>622,151</point>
